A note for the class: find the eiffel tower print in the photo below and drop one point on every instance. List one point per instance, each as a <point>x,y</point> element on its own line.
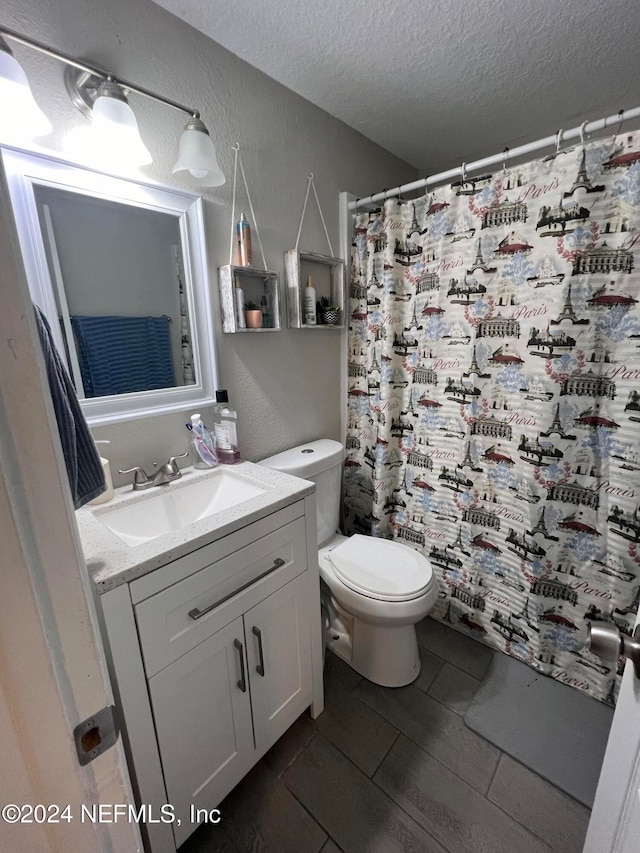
<point>556,427</point>
<point>582,181</point>
<point>458,544</point>
<point>541,527</point>
<point>413,322</point>
<point>568,313</point>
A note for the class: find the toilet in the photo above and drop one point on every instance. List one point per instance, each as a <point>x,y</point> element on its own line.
<point>373,591</point>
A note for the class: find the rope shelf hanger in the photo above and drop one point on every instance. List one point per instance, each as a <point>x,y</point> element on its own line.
<point>233,277</point>
<point>294,258</point>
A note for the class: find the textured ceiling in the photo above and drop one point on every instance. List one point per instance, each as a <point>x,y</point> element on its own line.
<point>439,81</point>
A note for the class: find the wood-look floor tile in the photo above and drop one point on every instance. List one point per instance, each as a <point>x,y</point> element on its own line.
<point>339,678</point>
<point>462,651</point>
<point>347,804</point>
<point>438,730</point>
<point>454,687</point>
<point>548,812</point>
<point>430,667</point>
<point>364,736</point>
<point>285,750</point>
<point>448,808</point>
<point>262,814</point>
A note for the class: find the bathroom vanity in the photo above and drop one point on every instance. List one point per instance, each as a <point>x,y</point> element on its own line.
<point>211,629</point>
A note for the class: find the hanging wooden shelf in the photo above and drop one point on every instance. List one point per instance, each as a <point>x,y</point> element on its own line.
<point>254,283</point>
<point>328,276</point>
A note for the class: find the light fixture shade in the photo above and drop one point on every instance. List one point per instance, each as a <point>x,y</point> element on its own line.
<point>115,126</point>
<point>197,155</point>
<point>20,117</point>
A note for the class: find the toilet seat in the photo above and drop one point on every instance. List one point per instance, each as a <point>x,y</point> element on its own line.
<point>380,569</point>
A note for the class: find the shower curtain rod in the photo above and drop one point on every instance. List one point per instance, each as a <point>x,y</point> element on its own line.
<point>503,156</point>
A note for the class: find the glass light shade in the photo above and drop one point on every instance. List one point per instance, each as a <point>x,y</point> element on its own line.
<point>20,117</point>
<point>197,155</point>
<point>115,128</point>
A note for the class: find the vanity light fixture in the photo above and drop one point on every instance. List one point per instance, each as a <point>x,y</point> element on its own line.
<point>101,97</point>
<point>20,117</point>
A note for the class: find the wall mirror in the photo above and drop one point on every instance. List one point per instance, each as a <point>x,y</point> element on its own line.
<point>119,269</point>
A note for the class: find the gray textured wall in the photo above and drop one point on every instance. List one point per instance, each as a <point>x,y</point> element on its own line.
<point>286,385</point>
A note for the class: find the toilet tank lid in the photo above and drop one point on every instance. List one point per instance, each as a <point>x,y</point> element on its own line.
<point>306,460</point>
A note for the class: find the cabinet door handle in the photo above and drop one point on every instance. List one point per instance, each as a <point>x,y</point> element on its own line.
<point>242,683</point>
<point>260,667</point>
<point>198,614</point>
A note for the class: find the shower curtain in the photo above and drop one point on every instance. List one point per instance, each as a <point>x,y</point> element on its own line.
<point>494,399</point>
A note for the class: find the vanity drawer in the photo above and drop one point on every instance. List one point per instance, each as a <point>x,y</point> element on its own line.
<point>174,621</point>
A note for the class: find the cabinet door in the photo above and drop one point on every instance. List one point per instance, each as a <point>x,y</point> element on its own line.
<point>203,722</point>
<point>279,655</point>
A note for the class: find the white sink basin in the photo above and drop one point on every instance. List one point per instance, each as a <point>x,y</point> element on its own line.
<point>171,507</point>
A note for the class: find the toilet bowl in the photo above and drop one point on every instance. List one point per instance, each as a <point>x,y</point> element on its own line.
<point>373,590</point>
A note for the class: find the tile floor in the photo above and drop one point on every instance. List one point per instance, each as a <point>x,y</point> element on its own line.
<point>395,771</point>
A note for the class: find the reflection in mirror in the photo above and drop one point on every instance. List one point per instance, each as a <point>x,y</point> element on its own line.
<point>118,284</point>
<point>119,269</point>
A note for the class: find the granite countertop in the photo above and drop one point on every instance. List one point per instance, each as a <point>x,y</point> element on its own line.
<point>111,562</point>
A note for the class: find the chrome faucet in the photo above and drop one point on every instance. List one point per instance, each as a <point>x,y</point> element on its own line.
<point>166,473</point>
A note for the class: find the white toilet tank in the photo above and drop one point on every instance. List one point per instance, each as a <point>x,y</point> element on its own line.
<point>321,462</point>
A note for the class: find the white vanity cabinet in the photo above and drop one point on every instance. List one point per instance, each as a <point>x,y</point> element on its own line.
<point>212,657</point>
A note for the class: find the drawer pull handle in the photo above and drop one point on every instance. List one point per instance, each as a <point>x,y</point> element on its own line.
<point>242,683</point>
<point>198,614</point>
<point>260,667</point>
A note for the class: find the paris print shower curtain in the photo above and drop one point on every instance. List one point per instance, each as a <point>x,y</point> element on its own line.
<point>494,399</point>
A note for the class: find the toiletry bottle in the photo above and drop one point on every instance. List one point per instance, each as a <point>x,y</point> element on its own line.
<point>243,241</point>
<point>105,497</point>
<point>203,447</point>
<point>239,295</point>
<point>225,430</point>
<point>310,303</point>
<point>265,307</point>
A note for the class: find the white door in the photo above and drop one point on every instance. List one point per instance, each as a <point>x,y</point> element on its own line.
<point>279,656</point>
<point>202,712</point>
<point>615,819</point>
<point>53,672</point>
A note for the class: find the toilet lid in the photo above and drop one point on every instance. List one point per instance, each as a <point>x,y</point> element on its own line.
<point>381,569</point>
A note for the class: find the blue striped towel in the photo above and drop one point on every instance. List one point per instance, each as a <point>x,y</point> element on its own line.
<point>82,460</point>
<point>122,355</point>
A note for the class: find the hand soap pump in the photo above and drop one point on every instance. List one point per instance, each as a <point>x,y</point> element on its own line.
<point>225,430</point>
<point>107,495</point>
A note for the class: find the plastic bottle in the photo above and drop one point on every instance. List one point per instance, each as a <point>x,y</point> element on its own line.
<point>106,496</point>
<point>243,241</point>
<point>265,307</point>
<point>239,295</point>
<point>202,444</point>
<point>225,430</point>
<point>310,318</point>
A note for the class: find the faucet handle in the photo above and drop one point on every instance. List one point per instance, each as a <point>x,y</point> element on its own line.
<point>172,461</point>
<point>140,475</point>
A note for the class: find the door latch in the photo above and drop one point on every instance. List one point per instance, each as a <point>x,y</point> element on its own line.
<point>606,642</point>
<point>96,734</point>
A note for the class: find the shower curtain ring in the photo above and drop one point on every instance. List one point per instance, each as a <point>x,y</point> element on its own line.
<point>357,202</point>
<point>463,173</point>
<point>619,125</point>
<point>558,141</point>
<point>505,154</point>
<point>582,127</point>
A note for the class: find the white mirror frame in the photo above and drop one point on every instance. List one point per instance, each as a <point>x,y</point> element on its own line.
<point>26,171</point>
